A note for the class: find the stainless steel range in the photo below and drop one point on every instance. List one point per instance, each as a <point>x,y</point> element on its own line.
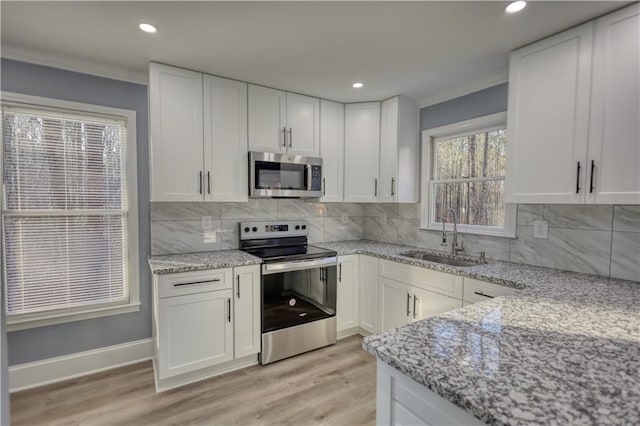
<point>298,288</point>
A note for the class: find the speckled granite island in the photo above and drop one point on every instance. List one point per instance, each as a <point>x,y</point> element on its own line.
<point>563,350</point>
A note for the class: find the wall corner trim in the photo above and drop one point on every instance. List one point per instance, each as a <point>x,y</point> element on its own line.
<point>52,370</point>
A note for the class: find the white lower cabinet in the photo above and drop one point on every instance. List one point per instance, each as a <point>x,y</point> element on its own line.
<point>347,294</point>
<point>395,304</point>
<point>205,323</point>
<point>368,294</point>
<point>401,400</point>
<point>246,311</point>
<point>427,304</point>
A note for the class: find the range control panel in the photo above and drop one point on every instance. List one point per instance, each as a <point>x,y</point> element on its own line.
<point>273,229</point>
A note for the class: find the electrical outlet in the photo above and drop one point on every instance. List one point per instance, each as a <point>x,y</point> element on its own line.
<point>540,229</point>
<point>207,223</point>
<point>345,218</point>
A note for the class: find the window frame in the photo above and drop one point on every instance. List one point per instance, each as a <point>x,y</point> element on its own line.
<point>427,207</point>
<point>58,316</point>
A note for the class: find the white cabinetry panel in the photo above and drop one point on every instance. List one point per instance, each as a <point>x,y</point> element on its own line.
<point>246,310</point>
<point>225,139</point>
<point>347,293</point>
<point>549,93</point>
<point>614,137</point>
<point>303,123</point>
<point>267,119</point>
<point>332,150</point>
<point>361,152</point>
<point>175,103</point>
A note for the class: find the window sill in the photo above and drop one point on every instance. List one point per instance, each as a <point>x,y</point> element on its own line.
<point>42,320</point>
<point>503,233</point>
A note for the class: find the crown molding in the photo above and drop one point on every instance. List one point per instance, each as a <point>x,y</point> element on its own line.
<point>476,86</point>
<point>75,64</point>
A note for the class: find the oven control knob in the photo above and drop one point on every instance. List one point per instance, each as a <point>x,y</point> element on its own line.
<point>304,226</point>
<point>246,229</point>
<point>297,227</point>
<point>254,229</point>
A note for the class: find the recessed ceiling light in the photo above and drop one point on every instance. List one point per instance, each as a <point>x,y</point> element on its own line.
<point>147,28</point>
<point>516,6</point>
<point>357,85</point>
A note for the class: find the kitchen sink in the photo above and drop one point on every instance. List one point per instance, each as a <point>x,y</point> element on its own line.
<point>447,260</point>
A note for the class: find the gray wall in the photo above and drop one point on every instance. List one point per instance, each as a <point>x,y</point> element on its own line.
<point>62,339</point>
<point>4,378</point>
<point>476,104</point>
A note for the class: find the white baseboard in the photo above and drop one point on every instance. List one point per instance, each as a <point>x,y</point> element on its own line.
<point>51,370</point>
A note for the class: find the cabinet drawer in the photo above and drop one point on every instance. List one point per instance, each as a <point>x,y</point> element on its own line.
<point>193,282</point>
<point>427,279</point>
<point>477,291</point>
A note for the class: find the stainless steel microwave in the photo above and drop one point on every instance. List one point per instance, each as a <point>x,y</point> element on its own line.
<point>284,175</point>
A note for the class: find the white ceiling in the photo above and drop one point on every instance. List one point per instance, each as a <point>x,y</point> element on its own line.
<point>420,49</point>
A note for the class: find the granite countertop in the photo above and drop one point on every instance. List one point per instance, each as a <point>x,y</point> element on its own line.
<point>563,350</point>
<point>185,262</point>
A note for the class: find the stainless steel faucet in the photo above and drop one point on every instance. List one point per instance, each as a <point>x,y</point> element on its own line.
<point>455,249</point>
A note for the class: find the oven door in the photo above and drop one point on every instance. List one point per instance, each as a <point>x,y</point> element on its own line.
<point>282,175</point>
<point>299,292</point>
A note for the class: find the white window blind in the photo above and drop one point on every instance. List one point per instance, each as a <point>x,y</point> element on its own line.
<point>64,210</point>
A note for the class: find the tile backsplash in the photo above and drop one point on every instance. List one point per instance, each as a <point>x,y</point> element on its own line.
<point>596,239</point>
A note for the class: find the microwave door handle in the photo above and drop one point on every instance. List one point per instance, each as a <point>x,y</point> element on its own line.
<point>309,173</point>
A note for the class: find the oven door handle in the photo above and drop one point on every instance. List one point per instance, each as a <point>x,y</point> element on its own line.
<point>297,265</point>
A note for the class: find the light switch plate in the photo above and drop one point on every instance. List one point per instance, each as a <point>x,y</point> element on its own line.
<point>345,218</point>
<point>207,223</point>
<point>540,229</point>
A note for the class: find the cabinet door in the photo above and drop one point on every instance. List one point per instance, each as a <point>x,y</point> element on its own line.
<point>427,304</point>
<point>395,304</point>
<point>548,113</point>
<point>225,139</point>
<point>195,331</point>
<point>332,150</point>
<point>303,125</point>
<point>246,310</point>
<point>347,293</point>
<point>267,120</point>
<point>175,104</point>
<point>614,139</point>
<point>368,294</point>
<point>388,151</point>
<point>361,152</point>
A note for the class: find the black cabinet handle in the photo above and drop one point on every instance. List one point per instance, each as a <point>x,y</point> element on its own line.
<point>200,182</point>
<point>284,137</point>
<point>229,309</point>
<point>479,293</point>
<point>340,272</point>
<point>209,183</point>
<point>238,284</point>
<point>578,179</point>
<point>375,188</point>
<point>415,299</point>
<point>215,280</point>
<point>408,302</point>
<point>324,186</point>
<point>393,184</point>
<point>593,166</point>
<point>290,137</point>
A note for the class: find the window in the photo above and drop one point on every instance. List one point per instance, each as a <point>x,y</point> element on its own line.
<point>464,165</point>
<point>69,215</point>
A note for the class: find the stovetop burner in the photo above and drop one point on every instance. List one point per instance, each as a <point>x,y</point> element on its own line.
<point>275,241</point>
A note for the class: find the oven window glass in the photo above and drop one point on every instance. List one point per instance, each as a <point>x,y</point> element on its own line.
<point>298,297</point>
<point>280,176</point>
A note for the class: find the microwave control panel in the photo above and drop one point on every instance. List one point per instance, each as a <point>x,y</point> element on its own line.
<point>316,178</point>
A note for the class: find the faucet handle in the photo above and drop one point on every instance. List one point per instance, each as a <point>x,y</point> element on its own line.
<point>482,255</point>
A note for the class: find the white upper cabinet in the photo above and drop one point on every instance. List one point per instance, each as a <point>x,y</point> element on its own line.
<point>361,152</point>
<point>283,122</point>
<point>175,103</point>
<point>225,139</point>
<point>398,180</point>
<point>614,135</point>
<point>332,150</point>
<point>303,125</point>
<point>267,119</point>
<point>548,115</point>
<point>198,136</point>
<point>574,103</point>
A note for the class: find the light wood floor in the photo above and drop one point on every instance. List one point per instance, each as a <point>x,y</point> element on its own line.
<point>333,385</point>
